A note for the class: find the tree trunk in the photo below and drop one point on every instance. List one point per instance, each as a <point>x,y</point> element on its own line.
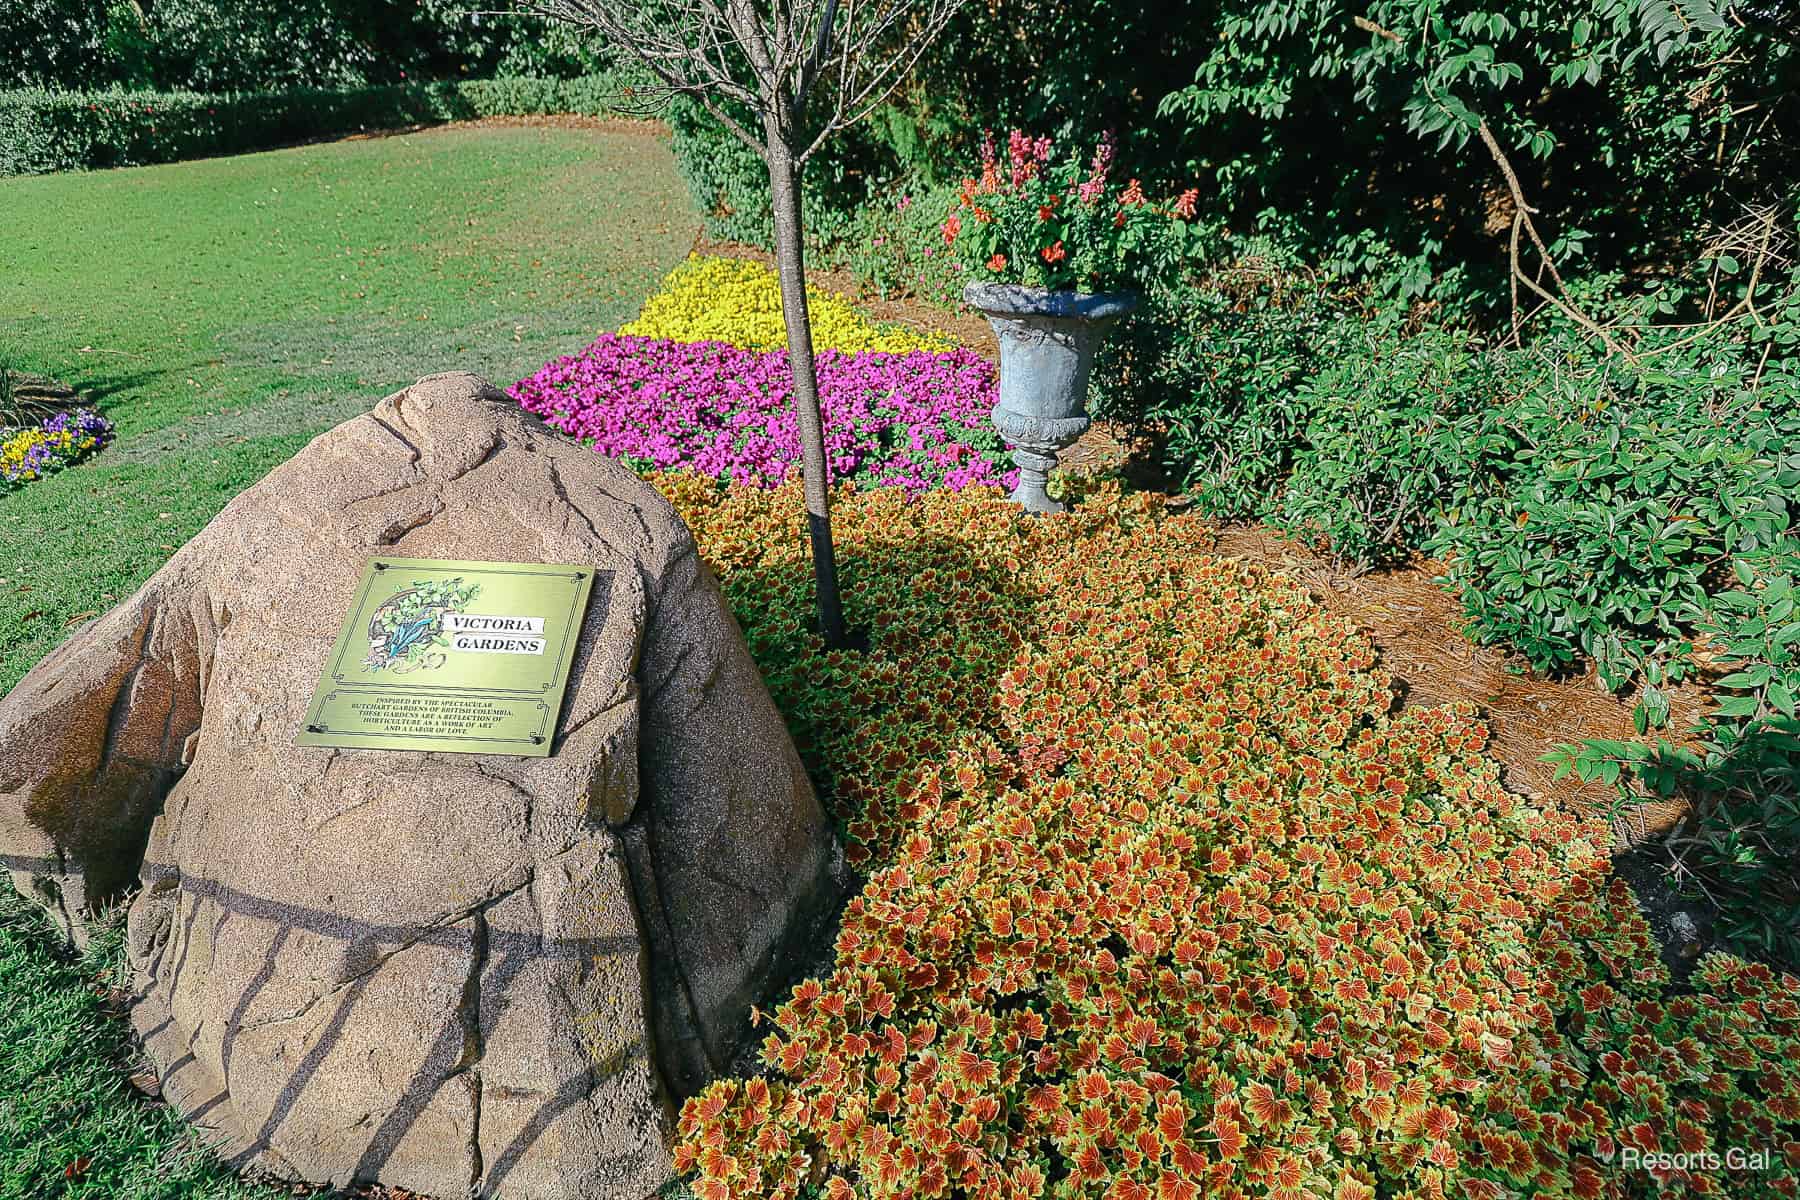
<point>790,261</point>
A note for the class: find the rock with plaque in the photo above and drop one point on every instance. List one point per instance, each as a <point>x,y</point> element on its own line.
<point>464,831</point>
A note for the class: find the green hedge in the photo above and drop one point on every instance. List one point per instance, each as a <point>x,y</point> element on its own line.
<point>42,131</point>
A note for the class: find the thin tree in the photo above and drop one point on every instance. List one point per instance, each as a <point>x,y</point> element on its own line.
<point>804,70</point>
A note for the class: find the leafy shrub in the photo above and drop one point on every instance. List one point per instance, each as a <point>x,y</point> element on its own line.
<point>895,245</point>
<point>1754,633</point>
<point>730,182</point>
<point>1586,505</point>
<point>232,45</point>
<point>242,45</point>
<point>1381,450</point>
<point>42,41</point>
<point>738,301</point>
<point>1161,903</point>
<point>1737,845</point>
<point>1602,497</point>
<point>1216,367</point>
<point>42,131</point>
<point>913,421</point>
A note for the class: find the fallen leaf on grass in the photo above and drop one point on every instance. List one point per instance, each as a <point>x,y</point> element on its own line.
<point>80,617</point>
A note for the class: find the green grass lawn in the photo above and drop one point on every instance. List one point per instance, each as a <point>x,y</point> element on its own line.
<point>222,312</point>
<point>69,1124</point>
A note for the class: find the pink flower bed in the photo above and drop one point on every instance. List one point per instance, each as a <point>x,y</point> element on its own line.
<point>915,421</point>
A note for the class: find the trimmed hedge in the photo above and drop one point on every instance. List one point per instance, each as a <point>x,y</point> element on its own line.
<point>43,131</point>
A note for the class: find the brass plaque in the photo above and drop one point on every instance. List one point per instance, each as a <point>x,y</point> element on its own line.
<point>466,657</point>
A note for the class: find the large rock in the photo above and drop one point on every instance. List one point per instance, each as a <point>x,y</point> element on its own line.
<point>445,972</point>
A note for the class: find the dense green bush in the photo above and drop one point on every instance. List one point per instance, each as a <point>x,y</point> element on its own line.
<point>1604,498</point>
<point>44,41</point>
<point>895,244</point>
<point>1622,117</point>
<point>1737,844</point>
<point>1215,366</point>
<point>58,131</point>
<point>240,45</point>
<point>1384,445</point>
<point>1585,505</point>
<point>1635,125</point>
<point>730,182</point>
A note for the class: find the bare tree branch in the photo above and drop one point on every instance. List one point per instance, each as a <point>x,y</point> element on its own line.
<point>1368,26</point>
<point>804,69</point>
<point>1522,220</point>
<point>812,67</point>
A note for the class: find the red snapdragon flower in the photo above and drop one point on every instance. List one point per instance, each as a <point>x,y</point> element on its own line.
<point>1103,159</point>
<point>997,263</point>
<point>952,227</point>
<point>1054,254</point>
<point>1027,155</point>
<point>1184,207</point>
<point>1134,194</point>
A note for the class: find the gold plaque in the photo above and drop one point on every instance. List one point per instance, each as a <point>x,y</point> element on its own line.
<point>465,657</point>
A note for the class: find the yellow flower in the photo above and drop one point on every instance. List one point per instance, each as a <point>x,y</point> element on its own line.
<point>709,299</point>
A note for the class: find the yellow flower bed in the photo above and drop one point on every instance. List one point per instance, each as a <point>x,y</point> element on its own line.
<point>738,301</point>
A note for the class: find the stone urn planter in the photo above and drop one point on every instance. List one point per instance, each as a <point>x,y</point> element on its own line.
<point>1047,345</point>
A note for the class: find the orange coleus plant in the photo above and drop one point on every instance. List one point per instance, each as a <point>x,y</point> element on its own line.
<point>1163,902</point>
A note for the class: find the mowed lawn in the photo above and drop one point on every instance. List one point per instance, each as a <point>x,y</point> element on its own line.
<point>223,312</point>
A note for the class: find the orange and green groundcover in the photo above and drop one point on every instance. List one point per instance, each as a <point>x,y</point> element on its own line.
<point>1166,901</point>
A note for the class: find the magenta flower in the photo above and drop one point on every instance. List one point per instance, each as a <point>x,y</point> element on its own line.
<point>915,421</point>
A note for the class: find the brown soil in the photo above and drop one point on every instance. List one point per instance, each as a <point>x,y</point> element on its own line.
<point>1416,624</point>
<point>645,126</point>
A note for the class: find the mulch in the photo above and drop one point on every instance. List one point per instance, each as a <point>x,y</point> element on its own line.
<point>637,125</point>
<point>1416,623</point>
